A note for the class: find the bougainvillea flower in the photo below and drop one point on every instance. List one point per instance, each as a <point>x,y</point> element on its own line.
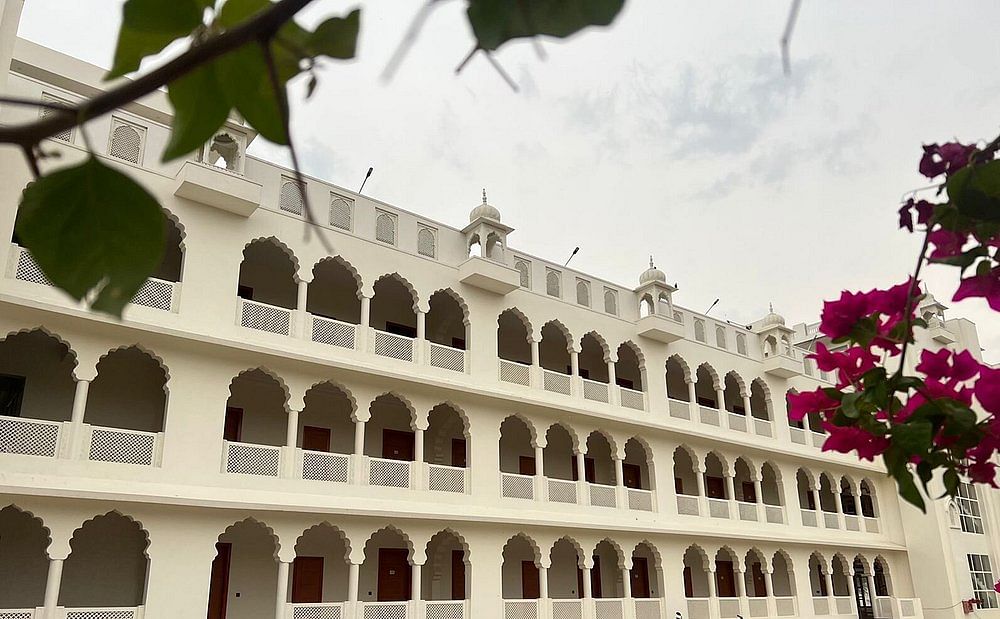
<point>982,473</point>
<point>947,366</point>
<point>949,158</point>
<point>801,404</point>
<point>840,316</point>
<point>947,243</point>
<point>845,439</point>
<point>924,211</point>
<point>849,364</point>
<point>986,285</point>
<point>988,390</point>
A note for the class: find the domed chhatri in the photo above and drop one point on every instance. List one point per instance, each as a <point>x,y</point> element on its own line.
<point>652,274</point>
<point>772,318</point>
<point>484,210</point>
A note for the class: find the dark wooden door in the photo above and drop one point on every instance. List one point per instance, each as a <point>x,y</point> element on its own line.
<point>688,583</point>
<point>579,583</point>
<point>530,585</point>
<point>218,588</point>
<point>458,574</point>
<point>307,580</point>
<point>632,475</point>
<point>759,582</point>
<point>233,429</point>
<point>590,470</point>
<point>678,485</point>
<point>397,445</point>
<point>595,579</point>
<point>315,439</point>
<point>715,487</point>
<point>725,579</point>
<point>526,466</point>
<point>458,457</point>
<point>639,577</point>
<point>863,596</point>
<point>749,492</point>
<point>393,575</point>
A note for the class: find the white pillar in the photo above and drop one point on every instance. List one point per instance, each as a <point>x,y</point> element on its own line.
<point>75,437</point>
<point>620,491</point>
<point>626,583</point>
<point>758,491</point>
<point>711,583</point>
<point>699,477</point>
<point>543,582</point>
<point>581,469</point>
<point>731,483</point>
<point>52,583</point>
<point>353,576</point>
<point>575,382</point>
<point>536,365</point>
<point>692,400</point>
<point>749,413</point>
<point>359,437</point>
<point>292,429</point>
<point>300,309</point>
<point>587,593</point>
<point>741,590</point>
<point>574,363</point>
<point>614,395</point>
<point>829,588</point>
<point>819,510</point>
<point>421,343</point>
<point>282,593</point>
<point>720,399</point>
<point>364,330</point>
<point>415,586</point>
<point>421,325</point>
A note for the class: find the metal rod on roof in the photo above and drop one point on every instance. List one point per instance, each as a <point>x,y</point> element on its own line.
<point>575,249</point>
<point>714,303</point>
<point>370,170</point>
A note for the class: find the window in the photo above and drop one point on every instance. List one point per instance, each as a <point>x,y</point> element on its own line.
<point>225,151</point>
<point>11,394</point>
<point>553,283</point>
<point>341,212</point>
<point>968,508</point>
<point>126,141</point>
<point>385,227</point>
<point>65,135</point>
<point>699,330</point>
<point>524,268</point>
<point>678,317</point>
<point>583,292</point>
<point>720,337</point>
<point>610,301</point>
<point>291,199</point>
<point>427,242</point>
<point>982,581</point>
<point>741,343</point>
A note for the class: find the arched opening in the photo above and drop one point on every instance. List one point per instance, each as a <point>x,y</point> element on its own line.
<point>839,577</point>
<point>760,403</point>
<point>770,346</point>
<point>818,576</point>
<point>446,573</point>
<point>446,438</point>
<point>494,247</point>
<point>704,386</point>
<point>646,574</point>
<point>560,462</point>
<point>256,413</point>
<point>770,485</point>
<point>732,394</point>
<point>389,441</point>
<point>566,574</point>
<point>869,507</point>
<point>514,338</point>
<point>847,502</point>
<point>685,474</point>
<point>804,486</point>
<point>720,337</point>
<point>695,573</point>
<point>519,571</point>
<point>36,382</point>
<point>387,572</point>
<point>553,350</point>
<point>393,307</point>
<point>743,481</point>
<point>267,274</point>
<point>637,466</point>
<point>107,564</point>
<point>793,422</point>
<point>447,322</point>
<point>715,474</point>
<point>827,501</point>
<point>172,262</point>
<point>881,578</point>
<point>726,568</point>
<point>334,293</point>
<point>677,379</point>
<point>663,305</point>
<point>320,570</point>
<point>24,561</point>
<point>593,358</point>
<point>754,581</point>
<point>815,423</point>
<point>225,152</point>
<point>699,330</point>
<point>517,454</point>
<point>646,306</point>
<point>741,343</point>
<point>129,392</point>
<point>598,463</point>
<point>325,424</point>
<point>606,575</point>
<point>782,577</point>
<point>476,248</point>
<point>629,372</point>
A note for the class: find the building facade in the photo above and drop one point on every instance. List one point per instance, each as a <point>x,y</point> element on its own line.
<point>389,417</point>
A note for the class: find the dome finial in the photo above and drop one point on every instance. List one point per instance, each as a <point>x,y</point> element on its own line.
<point>651,261</point>
<point>770,307</point>
<point>484,195</point>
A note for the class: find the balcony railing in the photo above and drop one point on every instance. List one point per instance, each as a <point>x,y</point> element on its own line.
<point>641,500</point>
<point>718,508</point>
<point>514,372</point>
<point>113,612</point>
<point>566,609</point>
<point>786,606</point>
<point>391,473</point>
<point>831,520</point>
<point>122,446</point>
<point>26,269</point>
<point>648,608</point>
<point>808,517</point>
<point>334,332</point>
<point>687,505</point>
<point>520,609</point>
<point>602,495</point>
<point>609,608</point>
<point>729,607</point>
<point>871,525</point>
<point>562,490</point>
<point>447,357</point>
<point>842,604</point>
<point>325,610</point>
<point>251,459</point>
<point>446,478</point>
<point>747,511</point>
<point>446,609</point>
<point>632,398</point>
<point>156,293</point>
<point>821,605</point>
<point>514,486</point>
<point>709,415</point>
<point>798,435</point>
<point>595,390</point>
<point>817,438</point>
<point>737,422</point>
<point>264,317</point>
<point>679,408</point>
<point>325,466</point>
<point>556,382</point>
<point>699,608</point>
<point>763,427</point>
<point>392,345</point>
<point>758,607</point>
<point>29,437</point>
<point>775,514</point>
<point>851,522</point>
<point>385,610</point>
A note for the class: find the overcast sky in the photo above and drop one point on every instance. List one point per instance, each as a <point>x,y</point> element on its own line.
<point>674,132</point>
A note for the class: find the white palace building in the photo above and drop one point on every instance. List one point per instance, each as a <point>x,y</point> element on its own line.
<point>423,423</point>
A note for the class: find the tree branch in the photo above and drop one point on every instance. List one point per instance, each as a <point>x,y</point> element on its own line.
<point>264,24</point>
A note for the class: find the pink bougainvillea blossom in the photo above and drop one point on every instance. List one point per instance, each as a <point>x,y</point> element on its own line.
<point>839,317</point>
<point>850,364</point>
<point>924,211</point>
<point>846,439</point>
<point>947,243</point>
<point>988,390</point>
<point>801,404</point>
<point>949,366</point>
<point>945,158</point>
<point>986,285</point>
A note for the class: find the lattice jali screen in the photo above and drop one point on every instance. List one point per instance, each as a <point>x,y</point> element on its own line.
<point>830,520</point>
<point>426,242</point>
<point>101,613</point>
<point>524,273</point>
<point>385,228</point>
<point>28,270</point>
<point>852,523</point>
<point>323,466</point>
<point>318,611</point>
<point>709,416</point>
<point>447,357</point>
<point>593,390</point>
<point>602,496</point>
<point>632,398</point>
<point>556,382</point>
<point>907,608</point>
<point>698,609</point>
<point>798,435</point>
<point>748,511</point>
<point>66,135</point>
<point>718,508</point>
<point>583,293</point>
<point>729,607</point>
<point>687,505</point>
<point>610,302</point>
<point>871,525</point>
<point>265,317</point>
<point>392,473</point>
<point>641,500</point>
<point>126,143</point>
<point>445,478</point>
<point>843,605</point>
<point>392,345</point>
<point>517,486</point>
<point>333,332</point>
<point>385,610</point>
<point>553,283</point>
<point>520,609</point>
<point>647,609</point>
<point>292,198</point>
<point>25,613</point>
<point>567,609</point>
<point>513,372</point>
<point>808,518</point>
<point>445,610</point>
<point>562,491</point>
<point>762,427</point>
<point>785,607</point>
<point>608,609</point>
<point>250,459</point>
<point>155,293</point>
<point>29,437</point>
<point>679,409</point>
<point>758,607</point>
<point>124,446</point>
<point>341,212</point>
<point>737,422</point>
<point>775,514</point>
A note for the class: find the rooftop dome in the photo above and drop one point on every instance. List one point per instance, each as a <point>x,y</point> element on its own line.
<point>484,210</point>
<point>652,274</point>
<point>772,319</point>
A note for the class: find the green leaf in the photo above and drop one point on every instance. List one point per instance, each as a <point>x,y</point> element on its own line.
<point>148,26</point>
<point>975,191</point>
<point>849,405</point>
<point>494,22</point>
<point>200,107</point>
<point>234,12</point>
<point>908,489</point>
<point>92,228</point>
<point>243,76</point>
<point>951,482</point>
<point>913,437</point>
<point>336,37</point>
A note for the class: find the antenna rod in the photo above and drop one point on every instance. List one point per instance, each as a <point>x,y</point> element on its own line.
<point>714,303</point>
<point>370,170</point>
<point>575,249</point>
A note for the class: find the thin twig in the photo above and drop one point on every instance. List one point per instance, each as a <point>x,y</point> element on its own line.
<point>29,154</point>
<point>49,105</point>
<point>910,300</point>
<point>503,74</point>
<point>786,37</point>
<point>465,61</point>
<point>406,43</point>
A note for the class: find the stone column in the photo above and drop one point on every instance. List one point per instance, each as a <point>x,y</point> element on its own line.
<point>536,365</point>
<point>541,491</point>
<point>364,329</point>
<point>582,491</point>
<point>692,400</point>
<point>52,583</point>
<point>713,598</point>
<point>620,481</point>
<point>699,475</point>
<point>626,583</point>
<point>420,346</point>
<point>720,400</point>
<point>353,578</point>
<point>74,438</point>
<point>288,459</point>
<point>415,584</point>
<point>282,593</point>
<point>418,457</point>
<point>741,591</point>
<point>575,383</point>
<point>614,395</point>
<point>840,508</point>
<point>772,604</point>
<point>587,593</point>
<point>543,582</point>
<point>731,487</point>
<point>359,451</point>
<point>302,320</point>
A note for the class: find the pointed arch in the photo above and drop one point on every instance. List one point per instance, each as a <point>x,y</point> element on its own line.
<point>279,244</point>
<point>130,390</point>
<point>107,563</point>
